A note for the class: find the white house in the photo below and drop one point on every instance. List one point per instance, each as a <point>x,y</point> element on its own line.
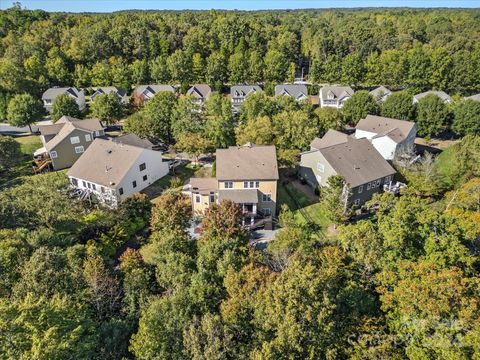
<point>112,171</point>
<point>388,136</point>
<point>238,94</point>
<point>380,94</point>
<point>298,92</point>
<point>51,94</point>
<point>334,96</point>
<point>122,94</point>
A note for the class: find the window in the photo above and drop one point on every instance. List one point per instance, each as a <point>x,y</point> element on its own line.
<point>245,184</point>
<point>94,187</point>
<point>257,184</point>
<point>251,184</point>
<point>89,186</point>
<point>143,167</point>
<point>369,186</point>
<point>134,184</point>
<point>320,167</point>
<point>53,154</point>
<point>120,191</point>
<point>388,179</point>
<point>377,184</point>
<point>357,202</point>
<point>266,197</point>
<point>212,197</point>
<point>266,211</point>
<point>145,177</point>
<point>360,189</point>
<point>88,137</point>
<point>79,149</point>
<point>84,184</point>
<point>228,184</point>
<point>97,133</point>
<point>74,140</point>
<point>197,198</point>
<point>74,181</point>
<point>102,189</point>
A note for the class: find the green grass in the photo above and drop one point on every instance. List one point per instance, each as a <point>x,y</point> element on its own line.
<point>444,164</point>
<point>28,144</point>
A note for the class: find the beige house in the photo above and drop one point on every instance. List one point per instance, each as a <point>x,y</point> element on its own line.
<point>66,140</point>
<point>246,175</point>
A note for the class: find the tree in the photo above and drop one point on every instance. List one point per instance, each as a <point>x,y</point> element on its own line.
<point>359,106</point>
<point>467,118</point>
<point>179,66</point>
<point>159,70</point>
<point>333,199</point>
<point>64,105</point>
<point>9,152</point>
<point>186,118</point>
<point>329,118</point>
<point>158,113</point>
<point>107,108</point>
<point>433,116</point>
<point>399,105</point>
<point>219,129</point>
<point>276,66</point>
<point>352,69</point>
<point>24,110</point>
<point>256,131</point>
<point>192,143</point>
<point>294,129</point>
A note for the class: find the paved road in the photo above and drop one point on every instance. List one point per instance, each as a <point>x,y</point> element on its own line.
<point>7,129</point>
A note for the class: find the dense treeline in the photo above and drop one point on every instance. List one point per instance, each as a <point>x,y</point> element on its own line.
<point>402,283</point>
<point>436,49</point>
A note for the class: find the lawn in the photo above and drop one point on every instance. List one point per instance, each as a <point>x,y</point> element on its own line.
<point>181,175</point>
<point>28,144</point>
<point>444,164</point>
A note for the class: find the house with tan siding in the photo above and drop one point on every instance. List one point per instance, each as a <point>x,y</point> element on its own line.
<point>246,175</point>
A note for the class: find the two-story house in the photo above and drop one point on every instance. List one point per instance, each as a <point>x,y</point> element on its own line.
<point>246,175</point>
<point>380,94</point>
<point>389,136</point>
<point>111,171</point>
<point>121,94</point>
<point>66,140</point>
<point>364,170</point>
<point>298,92</point>
<point>441,94</point>
<point>143,93</point>
<point>51,94</point>
<point>239,93</point>
<point>201,92</point>
<point>334,96</point>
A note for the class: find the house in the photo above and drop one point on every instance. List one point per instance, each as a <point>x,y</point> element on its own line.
<point>201,92</point>
<point>442,95</point>
<point>144,93</point>
<point>51,94</point>
<point>66,140</point>
<point>111,171</point>
<point>298,92</point>
<point>475,97</point>
<point>389,136</point>
<point>364,169</point>
<point>246,175</point>
<point>334,96</point>
<point>122,94</point>
<point>380,94</point>
<point>239,93</point>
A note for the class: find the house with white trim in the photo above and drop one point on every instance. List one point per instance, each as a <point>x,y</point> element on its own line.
<point>334,96</point>
<point>51,94</point>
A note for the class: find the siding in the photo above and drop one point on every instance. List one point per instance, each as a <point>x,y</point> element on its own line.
<point>66,155</point>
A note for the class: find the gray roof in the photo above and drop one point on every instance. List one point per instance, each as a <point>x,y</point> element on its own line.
<point>200,90</point>
<point>248,162</point>
<point>239,196</point>
<point>244,90</point>
<point>296,91</point>
<point>441,94</point>
<point>106,162</point>
<point>380,92</point>
<point>70,124</point>
<point>339,92</point>
<point>52,93</point>
<point>332,137</point>
<point>140,89</point>
<point>50,129</point>
<point>203,185</point>
<point>357,161</point>
<point>108,90</point>
<point>396,129</point>
<point>134,140</point>
<point>475,97</point>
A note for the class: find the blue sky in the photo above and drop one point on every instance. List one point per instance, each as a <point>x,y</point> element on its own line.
<point>113,5</point>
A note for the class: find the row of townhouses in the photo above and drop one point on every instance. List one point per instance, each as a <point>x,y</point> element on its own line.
<point>329,96</point>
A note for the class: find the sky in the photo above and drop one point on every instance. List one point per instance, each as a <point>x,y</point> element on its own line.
<point>115,5</point>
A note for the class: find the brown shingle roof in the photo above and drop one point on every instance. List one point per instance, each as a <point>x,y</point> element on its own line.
<point>203,185</point>
<point>134,140</point>
<point>357,161</point>
<point>50,129</point>
<point>248,162</point>
<point>239,196</point>
<point>396,129</point>
<point>332,137</point>
<point>203,90</point>
<point>106,162</point>
<point>70,124</point>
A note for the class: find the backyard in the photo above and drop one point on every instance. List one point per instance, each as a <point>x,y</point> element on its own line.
<point>28,144</point>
